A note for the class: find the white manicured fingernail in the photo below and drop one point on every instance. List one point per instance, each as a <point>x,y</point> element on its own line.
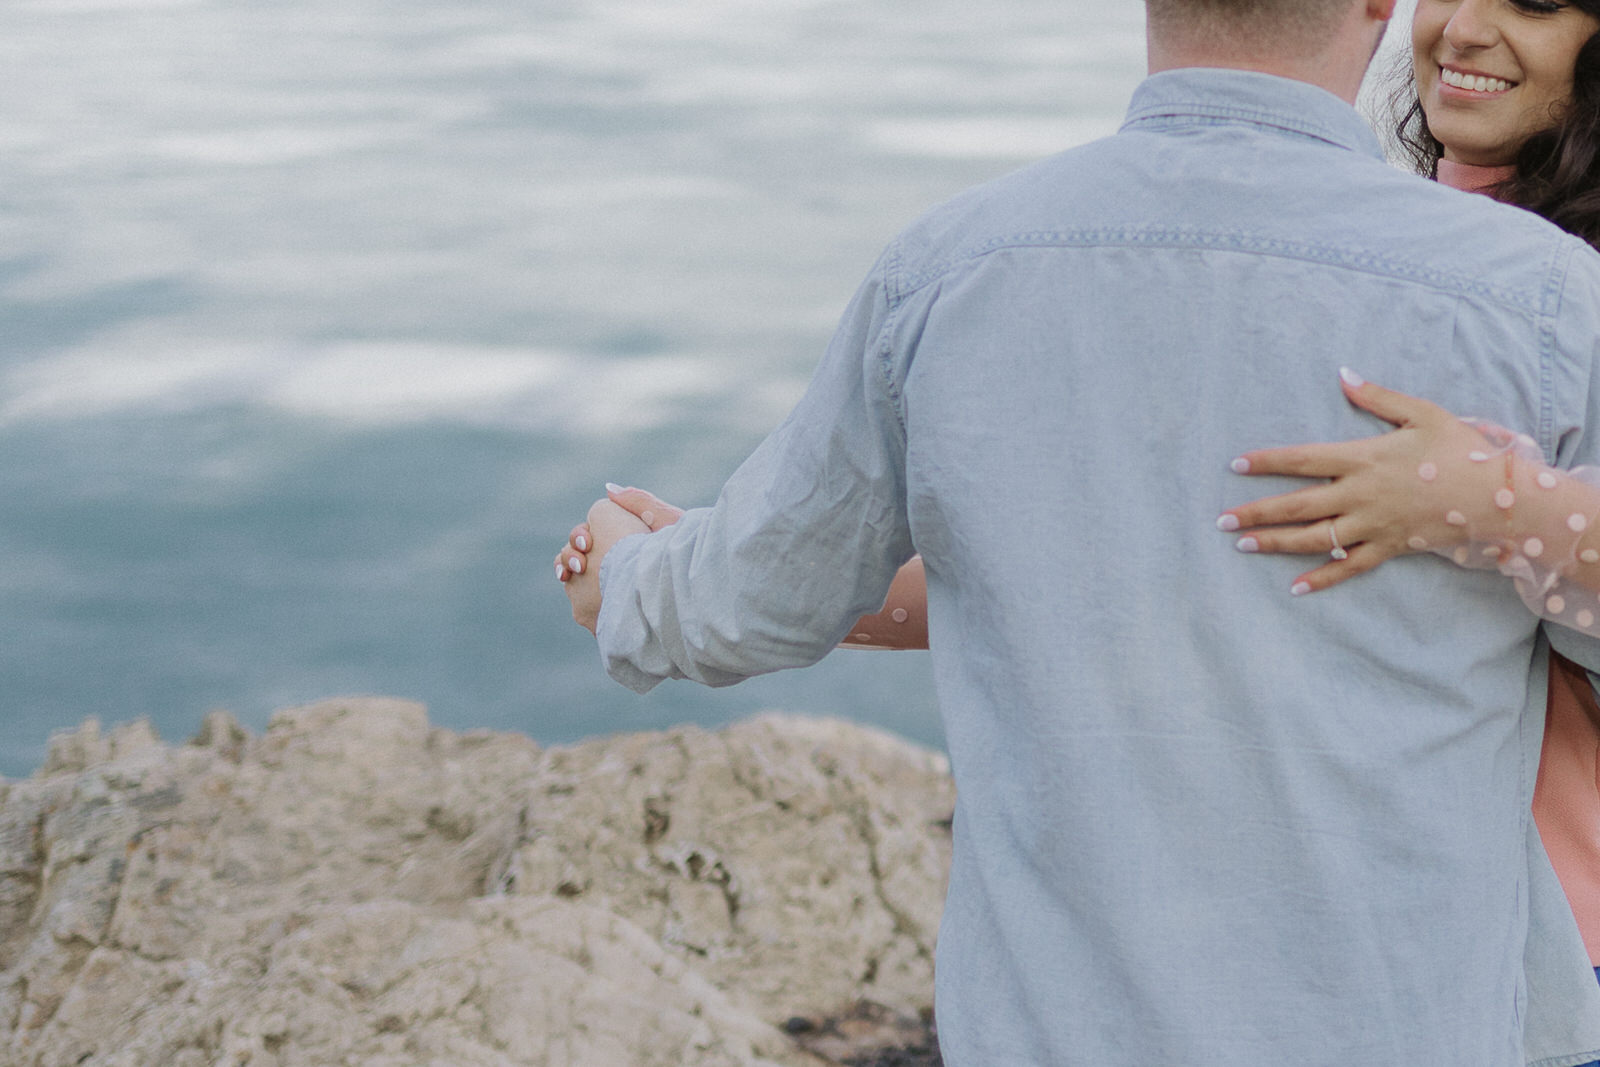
<point>1300,589</point>
<point>1240,466</point>
<point>1351,378</point>
<point>561,573</point>
<point>613,487</point>
<point>575,564</point>
<point>1228,523</point>
<point>581,542</point>
<point>1247,544</point>
<point>648,518</point>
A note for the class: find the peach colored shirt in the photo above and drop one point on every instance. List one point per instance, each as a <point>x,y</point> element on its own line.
<point>1471,179</point>
<point>1566,797</point>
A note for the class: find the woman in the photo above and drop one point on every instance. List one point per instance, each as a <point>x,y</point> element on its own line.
<point>1505,98</point>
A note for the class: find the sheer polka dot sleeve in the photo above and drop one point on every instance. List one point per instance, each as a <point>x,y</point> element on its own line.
<point>1499,505</point>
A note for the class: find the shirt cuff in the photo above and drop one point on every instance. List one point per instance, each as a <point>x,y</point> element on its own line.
<point>620,631</point>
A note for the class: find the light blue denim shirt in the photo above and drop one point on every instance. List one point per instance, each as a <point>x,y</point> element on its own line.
<point>1200,821</point>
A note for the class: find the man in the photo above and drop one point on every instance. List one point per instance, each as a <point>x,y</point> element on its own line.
<point>1200,821</point>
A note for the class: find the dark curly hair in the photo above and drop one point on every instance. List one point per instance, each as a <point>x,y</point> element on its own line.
<point>1557,170</point>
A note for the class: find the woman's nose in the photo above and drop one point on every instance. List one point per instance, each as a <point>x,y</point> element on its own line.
<point>1472,26</point>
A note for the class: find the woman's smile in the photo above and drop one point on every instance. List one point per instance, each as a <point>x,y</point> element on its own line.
<point>1476,84</point>
<point>1491,73</point>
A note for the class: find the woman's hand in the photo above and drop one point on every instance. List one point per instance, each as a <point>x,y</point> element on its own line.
<point>655,513</point>
<point>607,523</point>
<point>1423,487</point>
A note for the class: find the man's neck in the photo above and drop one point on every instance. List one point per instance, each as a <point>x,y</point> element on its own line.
<point>1337,83</point>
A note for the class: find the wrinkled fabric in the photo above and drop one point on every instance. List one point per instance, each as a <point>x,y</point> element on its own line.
<point>1200,820</point>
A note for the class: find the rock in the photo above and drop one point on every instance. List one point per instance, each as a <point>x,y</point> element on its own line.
<point>356,887</point>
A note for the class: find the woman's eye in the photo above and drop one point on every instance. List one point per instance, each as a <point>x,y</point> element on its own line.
<point>1540,7</point>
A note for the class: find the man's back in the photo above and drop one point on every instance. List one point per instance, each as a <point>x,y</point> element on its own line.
<point>1231,825</point>
<point>1200,821</point>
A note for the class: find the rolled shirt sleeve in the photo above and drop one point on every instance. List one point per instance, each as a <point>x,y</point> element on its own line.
<point>804,539</point>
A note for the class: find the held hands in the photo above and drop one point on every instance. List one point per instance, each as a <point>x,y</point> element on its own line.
<point>1437,483</point>
<point>902,622</point>
<point>624,512</point>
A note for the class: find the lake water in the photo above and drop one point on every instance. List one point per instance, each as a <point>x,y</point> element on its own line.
<point>321,321</point>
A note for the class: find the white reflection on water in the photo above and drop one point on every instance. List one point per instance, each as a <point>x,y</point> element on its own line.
<point>704,179</point>
<point>370,383</point>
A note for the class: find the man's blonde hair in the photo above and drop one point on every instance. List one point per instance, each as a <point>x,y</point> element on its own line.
<point>1291,26</point>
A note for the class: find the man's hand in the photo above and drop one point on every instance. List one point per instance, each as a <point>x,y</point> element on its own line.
<point>580,573</point>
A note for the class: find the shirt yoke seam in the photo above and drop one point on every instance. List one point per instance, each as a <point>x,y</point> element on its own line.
<point>1220,241</point>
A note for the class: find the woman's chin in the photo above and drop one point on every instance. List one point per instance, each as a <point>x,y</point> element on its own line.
<point>1470,143</point>
<point>1478,138</point>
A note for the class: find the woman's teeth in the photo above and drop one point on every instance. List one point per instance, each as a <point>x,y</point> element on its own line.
<point>1475,83</point>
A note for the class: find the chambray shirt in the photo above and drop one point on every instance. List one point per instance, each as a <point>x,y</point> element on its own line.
<point>1200,821</point>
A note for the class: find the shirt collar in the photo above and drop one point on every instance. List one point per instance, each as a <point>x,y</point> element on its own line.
<point>1194,96</point>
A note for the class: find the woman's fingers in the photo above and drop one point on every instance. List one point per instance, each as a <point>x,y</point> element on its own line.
<point>1306,461</point>
<point>1318,539</point>
<point>1338,459</point>
<point>573,559</point>
<point>1362,558</point>
<point>650,509</point>
<point>1314,539</point>
<point>1401,409</point>
<point>1301,505</point>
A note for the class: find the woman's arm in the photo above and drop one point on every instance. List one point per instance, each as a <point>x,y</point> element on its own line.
<point>902,622</point>
<point>1475,493</point>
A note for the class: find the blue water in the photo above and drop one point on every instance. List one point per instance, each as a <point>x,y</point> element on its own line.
<point>321,321</point>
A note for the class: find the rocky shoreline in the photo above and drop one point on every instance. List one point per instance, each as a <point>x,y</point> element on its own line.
<point>354,886</point>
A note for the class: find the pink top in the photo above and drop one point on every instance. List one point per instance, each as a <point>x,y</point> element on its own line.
<point>1471,179</point>
<point>1566,797</point>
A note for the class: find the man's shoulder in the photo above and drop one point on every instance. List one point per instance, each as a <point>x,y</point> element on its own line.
<point>1342,209</point>
<point>1043,201</point>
